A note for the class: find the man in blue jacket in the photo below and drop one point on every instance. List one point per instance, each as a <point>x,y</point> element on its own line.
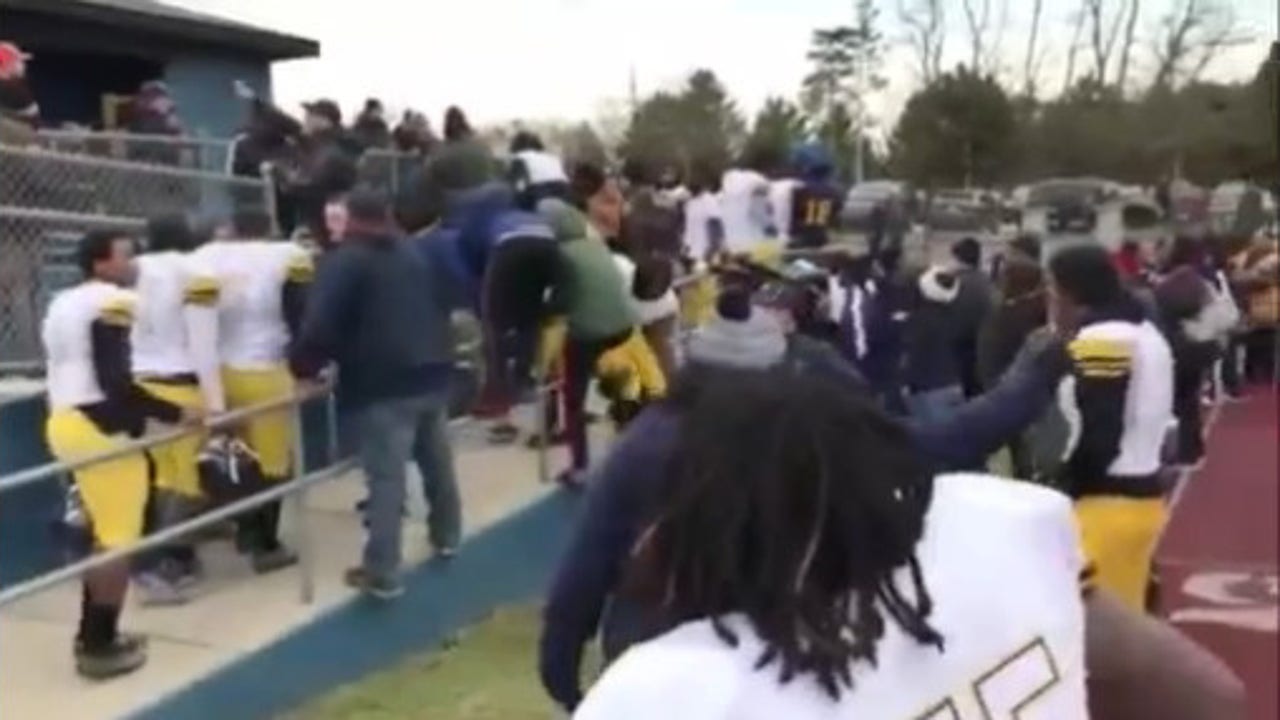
<point>501,260</point>
<point>379,311</point>
<point>623,493</point>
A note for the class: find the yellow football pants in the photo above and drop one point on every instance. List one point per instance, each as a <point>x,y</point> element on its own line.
<point>698,300</point>
<point>269,434</point>
<point>635,362</point>
<point>175,462</point>
<point>114,492</point>
<point>1119,536</point>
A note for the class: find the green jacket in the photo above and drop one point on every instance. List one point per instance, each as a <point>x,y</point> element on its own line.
<point>589,290</point>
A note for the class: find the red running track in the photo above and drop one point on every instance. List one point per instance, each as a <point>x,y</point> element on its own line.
<point>1217,559</point>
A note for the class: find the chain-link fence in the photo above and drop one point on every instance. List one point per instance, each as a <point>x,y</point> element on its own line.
<point>37,178</point>
<point>186,152</point>
<point>49,199</point>
<point>37,259</point>
<point>388,170</point>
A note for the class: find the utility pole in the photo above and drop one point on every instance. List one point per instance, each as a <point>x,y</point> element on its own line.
<point>859,157</point>
<point>633,93</point>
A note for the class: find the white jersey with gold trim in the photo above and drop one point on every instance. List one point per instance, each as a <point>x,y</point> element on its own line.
<point>67,334</point>
<point>251,275</point>
<point>168,283</point>
<point>1002,562</point>
<point>745,209</point>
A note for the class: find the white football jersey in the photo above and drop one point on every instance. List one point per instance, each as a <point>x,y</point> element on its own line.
<point>699,211</point>
<point>67,334</point>
<point>744,204</point>
<point>168,282</point>
<point>542,167</point>
<point>1143,353</point>
<point>780,195</point>
<point>1002,562</point>
<point>251,276</point>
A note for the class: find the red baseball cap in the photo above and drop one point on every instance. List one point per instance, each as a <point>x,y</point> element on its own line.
<point>11,55</point>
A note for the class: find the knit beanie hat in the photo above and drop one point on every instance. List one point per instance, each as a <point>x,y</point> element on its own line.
<point>738,336</point>
<point>938,285</point>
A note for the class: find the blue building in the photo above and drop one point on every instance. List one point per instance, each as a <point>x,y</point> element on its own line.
<point>90,55</point>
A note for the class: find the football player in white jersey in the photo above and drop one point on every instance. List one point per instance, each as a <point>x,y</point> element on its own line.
<point>814,568</point>
<point>1118,403</point>
<point>95,407</point>
<point>175,357</point>
<point>262,286</point>
<point>750,226</point>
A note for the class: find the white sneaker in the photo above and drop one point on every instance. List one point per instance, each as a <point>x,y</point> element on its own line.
<point>158,591</point>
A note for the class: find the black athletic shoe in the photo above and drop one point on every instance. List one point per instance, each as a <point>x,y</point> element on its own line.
<point>269,561</point>
<point>380,588</point>
<point>126,654</point>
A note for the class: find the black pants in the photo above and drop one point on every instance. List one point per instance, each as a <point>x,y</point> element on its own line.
<point>1260,355</point>
<point>1232,383</point>
<point>519,275</point>
<point>1188,381</point>
<point>580,358</point>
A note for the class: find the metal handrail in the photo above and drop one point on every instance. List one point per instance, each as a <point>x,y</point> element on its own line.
<point>50,215</point>
<point>40,472</point>
<point>213,517</point>
<point>71,159</point>
<point>115,136</point>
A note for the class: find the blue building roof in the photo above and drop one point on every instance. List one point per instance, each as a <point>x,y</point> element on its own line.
<point>156,17</point>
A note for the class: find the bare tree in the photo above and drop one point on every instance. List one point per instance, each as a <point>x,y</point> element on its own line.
<point>1191,37</point>
<point>1126,46</point>
<point>995,51</point>
<point>1104,29</point>
<point>977,15</point>
<point>925,21</point>
<point>1031,63</point>
<point>1073,49</point>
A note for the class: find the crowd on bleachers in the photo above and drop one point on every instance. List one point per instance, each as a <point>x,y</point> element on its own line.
<point>798,513</point>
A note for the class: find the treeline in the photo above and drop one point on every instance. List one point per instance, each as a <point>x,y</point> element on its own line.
<point>976,125</point>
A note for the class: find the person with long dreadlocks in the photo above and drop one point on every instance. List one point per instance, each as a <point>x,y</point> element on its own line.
<point>813,566</point>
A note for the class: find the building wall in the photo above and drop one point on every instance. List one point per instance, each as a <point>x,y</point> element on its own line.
<point>202,86</point>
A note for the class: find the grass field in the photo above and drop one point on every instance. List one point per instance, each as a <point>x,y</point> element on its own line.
<point>489,673</point>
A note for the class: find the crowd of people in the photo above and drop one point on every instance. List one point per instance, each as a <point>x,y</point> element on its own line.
<point>797,519</point>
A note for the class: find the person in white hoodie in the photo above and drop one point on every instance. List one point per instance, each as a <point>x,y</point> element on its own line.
<point>749,222</point>
<point>534,173</point>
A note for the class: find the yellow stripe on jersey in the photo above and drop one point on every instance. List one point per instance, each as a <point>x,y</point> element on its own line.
<point>203,291</point>
<point>1091,348</point>
<point>117,311</point>
<point>1101,358</point>
<point>301,269</point>
<point>1088,579</point>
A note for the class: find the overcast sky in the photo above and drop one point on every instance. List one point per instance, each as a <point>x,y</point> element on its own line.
<point>571,59</point>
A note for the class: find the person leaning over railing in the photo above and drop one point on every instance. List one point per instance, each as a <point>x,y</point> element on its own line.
<point>381,311</point>
<point>95,407</point>
<point>603,335</point>
<point>262,293</point>
<point>175,357</point>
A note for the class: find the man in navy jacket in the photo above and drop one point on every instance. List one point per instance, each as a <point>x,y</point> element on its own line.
<point>623,493</point>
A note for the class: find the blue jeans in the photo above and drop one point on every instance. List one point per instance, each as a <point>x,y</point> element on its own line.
<point>391,432</point>
<point>935,406</point>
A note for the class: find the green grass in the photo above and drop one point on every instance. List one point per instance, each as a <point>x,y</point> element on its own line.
<point>489,673</point>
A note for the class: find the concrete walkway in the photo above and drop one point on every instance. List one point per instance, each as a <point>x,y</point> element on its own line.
<point>237,612</point>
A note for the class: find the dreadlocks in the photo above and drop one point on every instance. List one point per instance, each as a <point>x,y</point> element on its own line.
<point>795,502</point>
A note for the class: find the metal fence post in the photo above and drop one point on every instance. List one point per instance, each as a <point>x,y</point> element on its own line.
<point>298,505</point>
<point>544,429</point>
<point>331,426</point>
<point>267,173</point>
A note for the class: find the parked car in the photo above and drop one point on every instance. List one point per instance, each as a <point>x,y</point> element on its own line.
<point>1068,211</point>
<point>897,198</point>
